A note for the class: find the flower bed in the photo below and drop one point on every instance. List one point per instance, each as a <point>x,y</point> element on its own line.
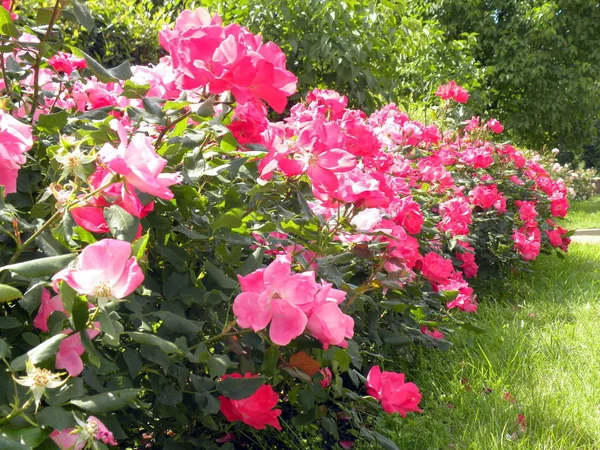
<point>180,272</point>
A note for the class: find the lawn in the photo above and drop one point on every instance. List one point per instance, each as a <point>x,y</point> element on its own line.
<point>539,357</point>
<point>585,214</point>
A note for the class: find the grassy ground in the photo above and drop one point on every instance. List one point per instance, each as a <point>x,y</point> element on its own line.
<point>583,214</point>
<point>539,357</point>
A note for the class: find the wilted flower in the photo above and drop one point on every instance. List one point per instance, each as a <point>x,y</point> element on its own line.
<point>38,379</point>
<point>86,433</point>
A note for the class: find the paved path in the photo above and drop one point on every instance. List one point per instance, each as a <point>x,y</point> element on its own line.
<point>589,236</point>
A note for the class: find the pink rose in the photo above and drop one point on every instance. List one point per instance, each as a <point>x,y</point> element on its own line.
<point>495,126</point>
<point>80,438</point>
<point>66,62</point>
<point>277,297</point>
<point>453,91</point>
<point>15,140</point>
<point>394,394</point>
<point>256,410</point>
<point>105,270</point>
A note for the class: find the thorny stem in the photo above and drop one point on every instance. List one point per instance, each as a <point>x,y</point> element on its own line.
<point>366,286</point>
<point>49,222</point>
<point>168,127</point>
<point>17,412</point>
<point>225,333</point>
<point>4,75</point>
<point>38,59</point>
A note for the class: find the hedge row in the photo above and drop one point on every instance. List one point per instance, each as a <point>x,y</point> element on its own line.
<point>178,271</point>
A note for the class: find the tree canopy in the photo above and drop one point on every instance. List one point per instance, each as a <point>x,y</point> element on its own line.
<point>541,61</point>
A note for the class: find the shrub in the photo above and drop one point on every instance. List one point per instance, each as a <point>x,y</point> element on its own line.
<point>178,271</point>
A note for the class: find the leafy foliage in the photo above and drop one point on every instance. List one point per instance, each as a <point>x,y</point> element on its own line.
<point>541,63</point>
<point>152,229</point>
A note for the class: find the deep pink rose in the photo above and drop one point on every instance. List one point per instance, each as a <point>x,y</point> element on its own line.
<point>434,333</point>
<point>326,321</point>
<point>277,297</point>
<point>66,62</point>
<point>394,394</point>
<point>495,126</point>
<point>453,91</point>
<point>436,268</point>
<point>256,410</point>
<point>139,164</point>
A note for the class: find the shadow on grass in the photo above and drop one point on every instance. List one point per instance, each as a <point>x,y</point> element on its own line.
<point>538,357</point>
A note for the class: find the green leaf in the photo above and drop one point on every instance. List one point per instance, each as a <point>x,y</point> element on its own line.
<point>179,324</point>
<point>43,16</point>
<point>122,225</point>
<point>52,123</point>
<point>391,338</point>
<point>231,219</point>
<point>306,399</point>
<point>270,360</point>
<point>202,384</point>
<point>80,313</point>
<point>208,403</point>
<point>474,328</point>
<point>4,349</point>
<point>381,440</point>
<point>139,246</point>
<point>7,27</point>
<point>228,143</point>
<point>239,388</point>
<point>42,352</point>
<point>111,335</point>
<point>194,166</point>
<point>107,401</point>
<point>9,322</point>
<point>68,295</point>
<point>155,341</point>
<point>330,426</point>
<point>134,362</point>
<point>83,14</point>
<point>134,90</point>
<point>205,109</point>
<point>9,293</point>
<point>169,395</point>
<point>218,365</point>
<point>55,417</point>
<point>219,277</point>
<point>29,437</point>
<point>9,444</point>
<point>40,267</point>
<point>153,107</point>
<point>94,66</point>
<point>253,262</point>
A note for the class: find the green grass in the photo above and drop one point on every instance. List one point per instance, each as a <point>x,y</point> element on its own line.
<point>541,344</point>
<point>584,214</point>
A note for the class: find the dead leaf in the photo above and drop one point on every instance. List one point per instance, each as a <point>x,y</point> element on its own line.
<point>302,361</point>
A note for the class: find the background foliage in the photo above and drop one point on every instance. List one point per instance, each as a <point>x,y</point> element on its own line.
<point>532,64</point>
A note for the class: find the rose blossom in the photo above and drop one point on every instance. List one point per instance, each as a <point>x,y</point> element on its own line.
<point>277,297</point>
<point>256,410</point>
<point>394,394</point>
<point>105,270</point>
<point>15,140</point>
<point>80,438</point>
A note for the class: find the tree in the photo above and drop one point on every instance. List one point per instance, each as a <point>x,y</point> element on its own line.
<point>542,62</point>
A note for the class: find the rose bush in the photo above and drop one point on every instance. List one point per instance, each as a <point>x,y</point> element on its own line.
<point>205,275</point>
